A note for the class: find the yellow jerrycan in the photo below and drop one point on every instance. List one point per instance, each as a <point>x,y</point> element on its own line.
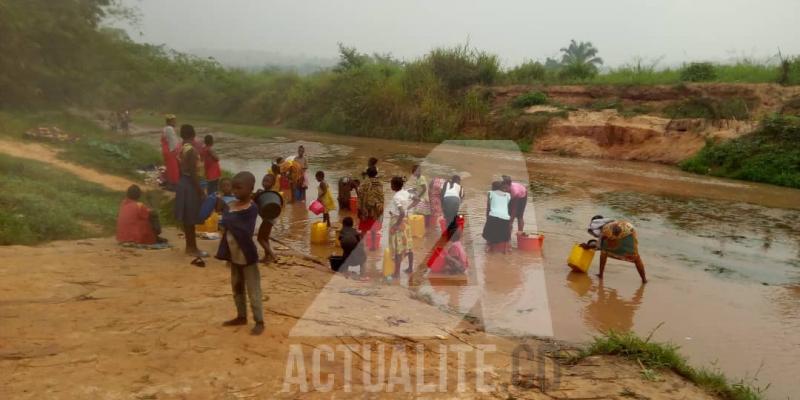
<point>417,225</point>
<point>319,233</point>
<point>388,262</point>
<point>580,259</point>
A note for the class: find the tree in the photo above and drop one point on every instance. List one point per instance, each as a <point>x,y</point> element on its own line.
<point>350,58</point>
<point>580,60</point>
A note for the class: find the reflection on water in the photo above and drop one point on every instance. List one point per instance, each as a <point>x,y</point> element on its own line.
<point>605,308</point>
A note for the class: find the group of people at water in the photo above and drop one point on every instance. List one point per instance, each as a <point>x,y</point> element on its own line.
<point>193,171</point>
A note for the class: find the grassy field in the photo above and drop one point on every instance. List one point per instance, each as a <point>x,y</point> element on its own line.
<point>96,147</point>
<point>41,203</point>
<point>654,357</point>
<point>740,72</point>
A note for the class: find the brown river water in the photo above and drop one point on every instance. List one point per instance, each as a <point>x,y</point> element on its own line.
<point>722,257</point>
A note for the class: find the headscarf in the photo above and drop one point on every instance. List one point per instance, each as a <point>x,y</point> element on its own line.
<point>597,224</point>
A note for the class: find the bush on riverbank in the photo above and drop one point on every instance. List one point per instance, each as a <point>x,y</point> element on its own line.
<point>657,356</point>
<point>769,155</point>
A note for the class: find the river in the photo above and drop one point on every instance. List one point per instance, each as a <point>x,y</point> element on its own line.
<point>722,257</point>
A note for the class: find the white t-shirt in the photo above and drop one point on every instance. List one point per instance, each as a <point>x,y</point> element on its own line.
<point>400,202</point>
<point>498,204</point>
<point>172,138</point>
<point>452,189</point>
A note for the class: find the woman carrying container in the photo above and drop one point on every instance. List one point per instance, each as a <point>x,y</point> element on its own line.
<point>618,240</point>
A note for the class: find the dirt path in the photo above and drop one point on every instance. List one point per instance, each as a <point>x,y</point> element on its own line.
<point>42,153</point>
<point>94,320</point>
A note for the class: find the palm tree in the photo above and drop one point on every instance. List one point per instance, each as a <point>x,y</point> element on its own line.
<point>580,59</point>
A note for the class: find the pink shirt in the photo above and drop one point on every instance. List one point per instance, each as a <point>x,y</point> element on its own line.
<point>518,190</point>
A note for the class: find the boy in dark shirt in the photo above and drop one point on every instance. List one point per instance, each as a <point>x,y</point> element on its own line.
<point>238,248</point>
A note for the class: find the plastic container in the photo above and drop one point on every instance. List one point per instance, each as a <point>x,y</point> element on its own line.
<point>373,239</point>
<point>210,225</point>
<point>316,207</point>
<point>417,225</point>
<point>353,204</point>
<point>336,262</point>
<point>580,259</point>
<point>319,233</point>
<point>269,204</point>
<point>529,242</point>
<point>388,263</point>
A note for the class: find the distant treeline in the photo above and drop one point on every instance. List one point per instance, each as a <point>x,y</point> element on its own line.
<point>57,53</point>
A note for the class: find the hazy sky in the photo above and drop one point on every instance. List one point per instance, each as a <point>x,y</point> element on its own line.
<point>679,30</point>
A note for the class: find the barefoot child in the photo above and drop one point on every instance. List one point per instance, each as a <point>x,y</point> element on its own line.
<point>239,250</point>
<point>265,230</point>
<point>325,197</point>
<point>400,241</point>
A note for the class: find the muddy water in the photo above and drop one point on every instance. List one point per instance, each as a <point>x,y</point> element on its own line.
<point>723,257</point>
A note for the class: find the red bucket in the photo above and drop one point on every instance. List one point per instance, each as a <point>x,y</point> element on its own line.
<point>529,242</point>
<point>353,204</point>
<point>316,207</point>
<point>284,183</point>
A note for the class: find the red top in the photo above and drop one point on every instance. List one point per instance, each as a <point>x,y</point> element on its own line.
<point>211,163</point>
<point>133,223</point>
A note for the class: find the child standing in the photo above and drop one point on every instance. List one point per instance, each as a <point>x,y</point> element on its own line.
<point>352,247</point>
<point>239,250</point>
<point>265,230</point>
<point>371,163</point>
<point>400,241</point>
<point>325,197</point>
<point>211,164</point>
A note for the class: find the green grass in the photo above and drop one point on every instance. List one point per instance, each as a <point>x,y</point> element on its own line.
<point>656,357</point>
<point>96,148</point>
<point>529,99</point>
<point>215,124</point>
<point>41,203</point>
<point>769,155</point>
<point>708,108</point>
<point>740,72</point>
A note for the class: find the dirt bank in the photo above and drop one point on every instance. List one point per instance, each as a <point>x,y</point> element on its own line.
<point>91,319</point>
<point>644,132</point>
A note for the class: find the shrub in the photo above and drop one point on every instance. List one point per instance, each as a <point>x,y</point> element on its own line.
<point>769,155</point>
<point>529,99</point>
<point>708,108</point>
<point>461,66</point>
<point>699,72</point>
<point>526,73</point>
